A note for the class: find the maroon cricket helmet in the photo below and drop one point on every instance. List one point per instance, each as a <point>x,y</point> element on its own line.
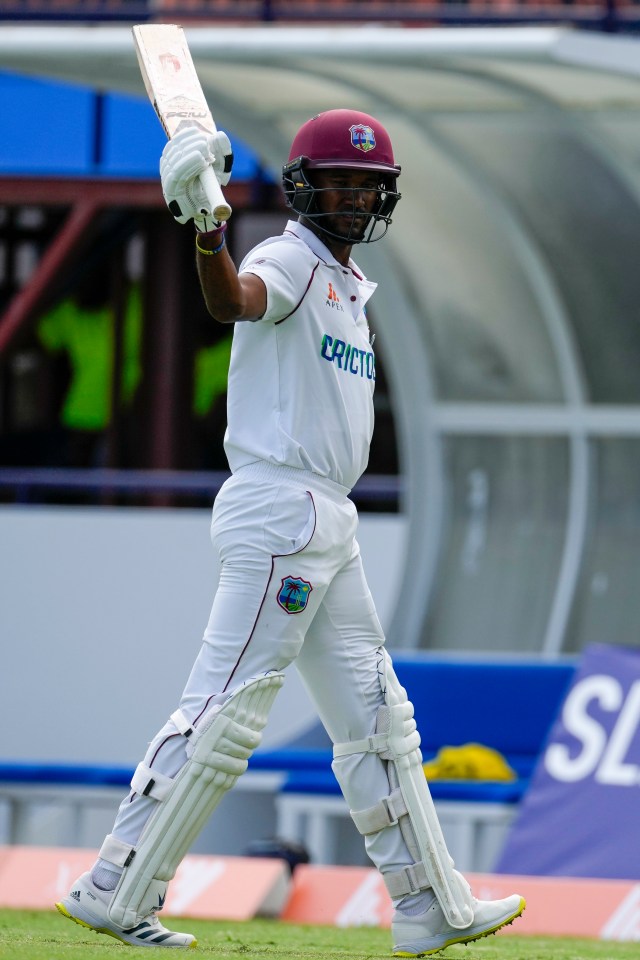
<point>341,139</point>
<point>344,138</point>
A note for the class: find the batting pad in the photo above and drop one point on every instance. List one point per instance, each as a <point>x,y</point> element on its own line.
<point>398,742</point>
<point>224,741</point>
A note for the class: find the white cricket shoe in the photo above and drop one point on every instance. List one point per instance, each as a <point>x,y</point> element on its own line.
<point>87,905</point>
<point>430,932</point>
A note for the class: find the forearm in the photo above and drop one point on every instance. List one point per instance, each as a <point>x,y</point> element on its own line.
<point>229,297</point>
<point>219,281</point>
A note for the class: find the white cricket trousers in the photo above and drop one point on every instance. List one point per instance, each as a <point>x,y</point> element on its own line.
<point>291,587</point>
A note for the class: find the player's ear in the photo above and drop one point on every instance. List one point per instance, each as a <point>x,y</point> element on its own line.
<point>298,189</point>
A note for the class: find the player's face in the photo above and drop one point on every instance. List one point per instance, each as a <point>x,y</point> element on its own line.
<point>347,197</point>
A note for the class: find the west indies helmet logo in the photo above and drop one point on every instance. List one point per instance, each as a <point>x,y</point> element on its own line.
<point>362,137</point>
<point>293,595</point>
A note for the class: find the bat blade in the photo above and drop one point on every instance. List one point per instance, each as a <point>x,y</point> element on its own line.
<point>175,91</point>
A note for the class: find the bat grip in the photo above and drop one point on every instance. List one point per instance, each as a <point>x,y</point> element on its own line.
<point>217,206</point>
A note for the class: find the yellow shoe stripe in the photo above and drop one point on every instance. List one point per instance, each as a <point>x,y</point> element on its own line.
<point>110,933</point>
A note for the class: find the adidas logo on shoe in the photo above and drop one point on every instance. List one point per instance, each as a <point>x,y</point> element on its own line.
<point>88,906</point>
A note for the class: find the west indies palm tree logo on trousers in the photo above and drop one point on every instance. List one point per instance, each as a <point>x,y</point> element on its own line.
<point>294,594</point>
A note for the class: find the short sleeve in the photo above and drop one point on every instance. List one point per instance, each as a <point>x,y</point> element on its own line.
<point>286,270</point>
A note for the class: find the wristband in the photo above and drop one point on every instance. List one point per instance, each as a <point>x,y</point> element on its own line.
<point>210,253</point>
<point>214,234</point>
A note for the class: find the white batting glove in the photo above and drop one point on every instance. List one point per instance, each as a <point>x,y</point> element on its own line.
<point>183,159</point>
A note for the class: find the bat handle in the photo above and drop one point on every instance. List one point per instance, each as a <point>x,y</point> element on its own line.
<point>217,206</point>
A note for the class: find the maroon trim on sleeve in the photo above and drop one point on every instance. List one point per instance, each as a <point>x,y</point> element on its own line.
<point>313,273</point>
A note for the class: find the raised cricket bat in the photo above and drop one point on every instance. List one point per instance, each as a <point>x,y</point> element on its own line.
<point>176,94</point>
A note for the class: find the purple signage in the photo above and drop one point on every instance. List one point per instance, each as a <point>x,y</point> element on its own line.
<point>581,814</point>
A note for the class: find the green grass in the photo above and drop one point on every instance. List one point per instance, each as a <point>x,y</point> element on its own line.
<point>28,935</point>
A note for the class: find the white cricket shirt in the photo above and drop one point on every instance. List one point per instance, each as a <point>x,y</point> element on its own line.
<point>301,378</point>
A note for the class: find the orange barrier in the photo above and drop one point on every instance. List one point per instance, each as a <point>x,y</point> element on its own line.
<point>354,896</point>
<point>238,888</point>
<point>224,888</point>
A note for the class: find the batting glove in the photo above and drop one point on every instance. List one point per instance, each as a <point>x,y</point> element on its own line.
<point>183,159</point>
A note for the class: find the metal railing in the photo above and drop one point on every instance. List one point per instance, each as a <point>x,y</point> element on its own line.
<point>31,485</point>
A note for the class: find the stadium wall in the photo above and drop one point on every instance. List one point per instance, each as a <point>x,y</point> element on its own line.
<point>101,615</point>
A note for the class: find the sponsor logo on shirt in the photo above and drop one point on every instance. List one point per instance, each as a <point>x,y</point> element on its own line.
<point>333,300</point>
<point>348,358</point>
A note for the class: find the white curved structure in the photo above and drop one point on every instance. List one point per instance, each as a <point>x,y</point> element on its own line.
<point>508,307</point>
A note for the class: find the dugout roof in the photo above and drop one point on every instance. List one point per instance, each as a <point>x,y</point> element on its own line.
<point>509,288</point>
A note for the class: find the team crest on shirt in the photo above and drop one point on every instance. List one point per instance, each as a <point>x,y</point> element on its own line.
<point>362,137</point>
<point>293,595</point>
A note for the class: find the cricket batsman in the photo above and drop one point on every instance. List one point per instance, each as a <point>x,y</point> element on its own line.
<point>292,587</point>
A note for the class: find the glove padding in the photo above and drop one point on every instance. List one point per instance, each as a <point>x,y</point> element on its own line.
<point>183,159</point>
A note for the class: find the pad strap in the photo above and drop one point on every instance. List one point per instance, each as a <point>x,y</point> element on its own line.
<point>181,723</point>
<point>385,813</point>
<point>410,879</point>
<point>116,851</point>
<point>150,783</point>
<point>395,721</point>
<point>374,744</point>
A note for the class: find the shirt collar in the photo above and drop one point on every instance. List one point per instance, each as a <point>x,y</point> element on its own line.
<point>316,245</point>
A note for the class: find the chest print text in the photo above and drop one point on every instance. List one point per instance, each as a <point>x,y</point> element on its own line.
<point>348,358</point>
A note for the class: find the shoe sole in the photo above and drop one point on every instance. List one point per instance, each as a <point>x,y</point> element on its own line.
<point>464,939</point>
<point>60,907</point>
